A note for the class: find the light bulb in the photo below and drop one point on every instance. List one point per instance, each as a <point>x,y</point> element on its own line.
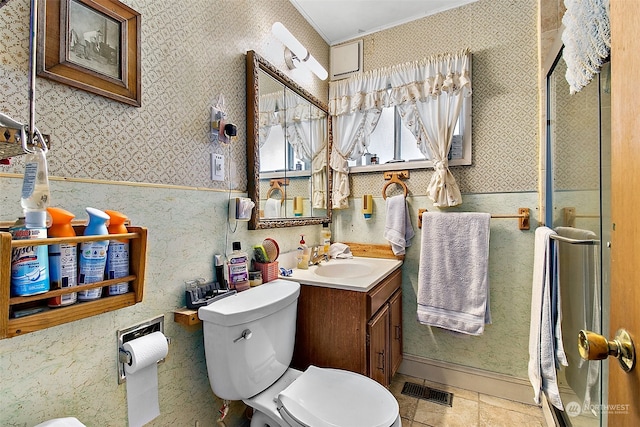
<point>287,39</point>
<point>300,52</point>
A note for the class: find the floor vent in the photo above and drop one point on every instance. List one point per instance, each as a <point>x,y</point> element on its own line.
<point>432,395</point>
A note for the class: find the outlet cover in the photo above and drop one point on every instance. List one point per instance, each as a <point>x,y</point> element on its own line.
<point>217,167</point>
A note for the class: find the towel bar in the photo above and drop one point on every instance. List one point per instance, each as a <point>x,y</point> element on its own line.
<point>574,241</point>
<point>522,216</point>
<point>569,216</point>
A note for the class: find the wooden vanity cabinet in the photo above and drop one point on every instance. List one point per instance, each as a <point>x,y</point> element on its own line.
<point>355,331</point>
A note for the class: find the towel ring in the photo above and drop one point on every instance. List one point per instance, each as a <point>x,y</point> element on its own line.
<point>394,178</point>
<point>275,186</point>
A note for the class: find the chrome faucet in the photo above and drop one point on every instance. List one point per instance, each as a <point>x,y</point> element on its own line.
<point>317,257</point>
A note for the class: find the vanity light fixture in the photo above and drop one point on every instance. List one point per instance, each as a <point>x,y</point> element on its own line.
<point>296,53</point>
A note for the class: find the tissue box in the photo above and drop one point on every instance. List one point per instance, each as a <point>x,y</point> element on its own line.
<point>269,270</point>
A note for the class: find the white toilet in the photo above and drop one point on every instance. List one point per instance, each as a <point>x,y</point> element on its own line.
<point>248,339</point>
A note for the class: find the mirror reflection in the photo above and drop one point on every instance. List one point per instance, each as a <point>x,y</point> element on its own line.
<point>579,207</point>
<point>289,141</point>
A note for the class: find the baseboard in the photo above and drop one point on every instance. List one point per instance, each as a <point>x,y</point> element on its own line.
<point>478,380</point>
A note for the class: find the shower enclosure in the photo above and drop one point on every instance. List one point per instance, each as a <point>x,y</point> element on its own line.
<point>577,200</point>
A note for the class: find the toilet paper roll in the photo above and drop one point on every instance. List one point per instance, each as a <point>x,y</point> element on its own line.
<point>142,377</point>
<point>146,350</point>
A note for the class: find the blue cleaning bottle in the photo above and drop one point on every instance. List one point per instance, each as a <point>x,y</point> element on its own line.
<point>93,255</point>
<point>118,253</point>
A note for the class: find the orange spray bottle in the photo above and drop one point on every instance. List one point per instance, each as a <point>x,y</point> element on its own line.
<point>118,253</point>
<point>63,257</point>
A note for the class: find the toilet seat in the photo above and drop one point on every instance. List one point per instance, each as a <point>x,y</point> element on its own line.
<point>324,397</point>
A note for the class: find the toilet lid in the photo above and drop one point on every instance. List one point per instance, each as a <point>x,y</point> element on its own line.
<point>323,397</point>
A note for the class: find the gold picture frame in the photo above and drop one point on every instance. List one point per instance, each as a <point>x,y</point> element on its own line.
<point>93,45</point>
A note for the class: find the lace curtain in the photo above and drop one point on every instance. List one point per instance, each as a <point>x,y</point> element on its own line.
<point>268,104</point>
<point>356,104</point>
<point>305,129</point>
<point>306,132</point>
<point>587,40</point>
<point>429,95</point>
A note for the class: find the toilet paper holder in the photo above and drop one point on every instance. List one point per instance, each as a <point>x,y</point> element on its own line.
<point>141,329</point>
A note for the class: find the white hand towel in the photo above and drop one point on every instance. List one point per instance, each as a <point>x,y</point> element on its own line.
<point>544,353</point>
<point>453,274</point>
<point>340,251</point>
<point>398,229</point>
<point>272,208</point>
<point>580,278</point>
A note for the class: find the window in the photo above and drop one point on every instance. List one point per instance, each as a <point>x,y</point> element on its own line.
<point>272,158</point>
<point>396,148</point>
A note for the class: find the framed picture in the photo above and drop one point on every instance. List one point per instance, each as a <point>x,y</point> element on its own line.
<point>92,45</point>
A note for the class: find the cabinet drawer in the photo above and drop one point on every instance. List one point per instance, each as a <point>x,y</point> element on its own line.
<point>379,295</point>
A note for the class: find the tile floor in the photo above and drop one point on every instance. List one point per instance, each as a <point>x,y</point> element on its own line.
<point>469,409</point>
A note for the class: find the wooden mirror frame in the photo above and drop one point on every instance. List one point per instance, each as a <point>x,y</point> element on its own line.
<point>255,64</point>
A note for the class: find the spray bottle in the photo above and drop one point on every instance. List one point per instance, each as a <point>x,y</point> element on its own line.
<point>93,255</point>
<point>118,253</point>
<point>30,264</point>
<point>63,257</point>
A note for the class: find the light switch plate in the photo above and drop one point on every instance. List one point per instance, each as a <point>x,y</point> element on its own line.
<point>217,167</point>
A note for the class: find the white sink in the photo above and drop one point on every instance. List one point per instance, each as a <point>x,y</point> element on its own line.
<point>355,274</point>
<point>343,270</point>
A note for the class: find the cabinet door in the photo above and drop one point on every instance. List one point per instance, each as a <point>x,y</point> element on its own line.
<point>378,339</point>
<point>395,306</point>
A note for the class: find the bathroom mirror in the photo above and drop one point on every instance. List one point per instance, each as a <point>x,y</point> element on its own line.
<point>288,146</point>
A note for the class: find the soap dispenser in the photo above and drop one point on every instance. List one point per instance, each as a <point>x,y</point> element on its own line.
<point>326,238</point>
<point>304,252</point>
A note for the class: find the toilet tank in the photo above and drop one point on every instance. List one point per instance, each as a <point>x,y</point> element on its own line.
<point>249,338</point>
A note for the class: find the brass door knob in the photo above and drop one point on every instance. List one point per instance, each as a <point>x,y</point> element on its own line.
<point>593,346</point>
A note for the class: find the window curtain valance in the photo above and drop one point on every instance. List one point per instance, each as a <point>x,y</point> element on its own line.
<point>429,95</point>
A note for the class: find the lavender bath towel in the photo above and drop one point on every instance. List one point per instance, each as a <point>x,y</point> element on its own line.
<point>453,275</point>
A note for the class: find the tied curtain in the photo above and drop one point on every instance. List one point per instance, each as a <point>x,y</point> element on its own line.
<point>267,116</point>
<point>305,129</point>
<point>429,97</point>
<point>356,104</point>
<point>428,94</point>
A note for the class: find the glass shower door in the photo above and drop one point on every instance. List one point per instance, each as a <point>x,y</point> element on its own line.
<point>578,206</point>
